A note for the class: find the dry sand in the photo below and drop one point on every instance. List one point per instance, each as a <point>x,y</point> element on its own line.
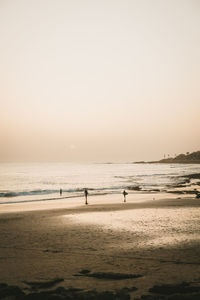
<point>157,239</point>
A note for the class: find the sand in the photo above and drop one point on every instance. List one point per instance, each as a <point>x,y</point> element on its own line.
<point>157,239</point>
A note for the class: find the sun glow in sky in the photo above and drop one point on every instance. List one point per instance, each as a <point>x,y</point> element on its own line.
<point>101,80</point>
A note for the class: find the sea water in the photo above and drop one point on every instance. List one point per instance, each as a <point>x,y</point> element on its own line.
<point>37,181</point>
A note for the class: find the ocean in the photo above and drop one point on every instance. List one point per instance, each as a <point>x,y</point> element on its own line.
<point>41,181</point>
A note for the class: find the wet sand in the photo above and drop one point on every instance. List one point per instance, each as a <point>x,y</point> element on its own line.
<point>158,240</point>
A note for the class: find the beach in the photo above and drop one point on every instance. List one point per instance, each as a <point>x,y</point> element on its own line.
<point>100,150</point>
<point>156,242</point>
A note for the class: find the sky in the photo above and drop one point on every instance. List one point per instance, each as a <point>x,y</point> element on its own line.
<point>99,81</point>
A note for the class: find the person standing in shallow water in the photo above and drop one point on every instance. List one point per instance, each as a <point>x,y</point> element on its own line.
<point>86,195</point>
<point>60,192</point>
<point>125,193</point>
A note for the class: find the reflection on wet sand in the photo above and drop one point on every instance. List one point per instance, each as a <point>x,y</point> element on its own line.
<point>158,227</point>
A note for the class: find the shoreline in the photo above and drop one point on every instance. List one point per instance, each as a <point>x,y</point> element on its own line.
<point>189,184</point>
<point>76,202</point>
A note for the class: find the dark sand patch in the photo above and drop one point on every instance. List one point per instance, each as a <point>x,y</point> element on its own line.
<point>61,293</point>
<point>10,292</point>
<point>43,284</point>
<point>184,290</point>
<point>107,275</point>
<point>170,289</point>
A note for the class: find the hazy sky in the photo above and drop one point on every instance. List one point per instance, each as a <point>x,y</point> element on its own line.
<point>106,80</point>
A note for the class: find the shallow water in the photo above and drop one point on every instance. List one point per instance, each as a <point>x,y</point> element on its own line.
<point>29,182</point>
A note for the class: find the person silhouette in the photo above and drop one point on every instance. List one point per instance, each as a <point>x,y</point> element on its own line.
<point>60,192</point>
<point>86,195</point>
<point>125,193</point>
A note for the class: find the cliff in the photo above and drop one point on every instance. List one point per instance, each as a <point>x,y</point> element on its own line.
<point>191,158</point>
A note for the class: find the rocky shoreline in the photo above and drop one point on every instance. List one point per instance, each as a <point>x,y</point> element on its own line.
<point>177,188</point>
